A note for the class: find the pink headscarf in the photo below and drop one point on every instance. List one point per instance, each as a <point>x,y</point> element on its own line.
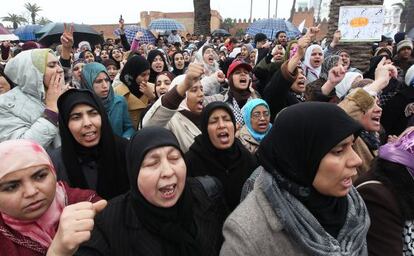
<point>20,154</point>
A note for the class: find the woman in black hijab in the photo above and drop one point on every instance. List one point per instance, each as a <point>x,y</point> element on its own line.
<point>157,63</point>
<point>216,152</point>
<point>158,215</point>
<point>91,156</point>
<point>303,199</point>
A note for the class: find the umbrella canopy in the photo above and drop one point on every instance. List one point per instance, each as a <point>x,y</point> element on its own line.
<point>5,35</point>
<point>220,32</point>
<point>51,33</point>
<point>27,33</point>
<point>270,27</point>
<point>130,31</point>
<point>165,24</point>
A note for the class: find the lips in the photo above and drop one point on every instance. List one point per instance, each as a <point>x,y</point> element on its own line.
<point>224,137</point>
<point>347,182</point>
<point>90,136</point>
<point>34,206</point>
<point>168,191</point>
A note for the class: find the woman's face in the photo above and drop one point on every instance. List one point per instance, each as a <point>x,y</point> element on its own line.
<point>241,78</point>
<point>85,125</point>
<point>346,60</point>
<point>220,129</point>
<point>278,55</point>
<point>143,77</point>
<point>208,56</point>
<point>162,85</point>
<point>88,56</point>
<point>117,55</point>
<point>298,85</point>
<point>179,61</point>
<point>336,169</point>
<point>244,52</point>
<point>101,85</point>
<point>157,65</point>
<point>104,55</point>
<point>316,58</point>
<point>186,56</point>
<point>260,118</point>
<point>52,68</point>
<point>252,57</point>
<point>161,178</point>
<point>26,194</point>
<point>195,98</point>
<point>370,120</point>
<point>77,71</point>
<point>4,85</point>
<point>112,71</point>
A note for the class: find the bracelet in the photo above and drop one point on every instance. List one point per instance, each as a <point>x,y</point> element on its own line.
<point>51,116</point>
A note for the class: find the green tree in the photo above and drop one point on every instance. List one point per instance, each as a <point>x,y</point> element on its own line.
<point>17,20</point>
<point>360,52</point>
<point>227,24</point>
<point>33,9</point>
<point>43,21</point>
<point>202,17</point>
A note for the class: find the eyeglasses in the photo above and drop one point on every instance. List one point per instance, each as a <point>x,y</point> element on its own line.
<point>258,115</point>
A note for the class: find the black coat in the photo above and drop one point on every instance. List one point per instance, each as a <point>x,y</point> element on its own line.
<point>118,231</point>
<point>90,170</point>
<point>200,162</point>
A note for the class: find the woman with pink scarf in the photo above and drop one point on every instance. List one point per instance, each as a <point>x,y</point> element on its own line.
<point>38,215</point>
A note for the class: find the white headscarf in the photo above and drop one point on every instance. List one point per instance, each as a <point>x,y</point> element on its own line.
<point>306,61</point>
<point>343,87</point>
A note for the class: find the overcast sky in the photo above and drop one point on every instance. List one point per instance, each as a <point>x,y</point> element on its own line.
<point>107,12</point>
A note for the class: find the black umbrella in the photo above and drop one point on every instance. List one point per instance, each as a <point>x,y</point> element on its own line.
<point>220,32</point>
<point>51,33</point>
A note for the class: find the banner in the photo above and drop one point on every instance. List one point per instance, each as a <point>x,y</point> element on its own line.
<point>362,23</point>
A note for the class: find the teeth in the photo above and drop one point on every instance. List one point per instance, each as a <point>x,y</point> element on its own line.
<point>167,190</point>
<point>89,133</point>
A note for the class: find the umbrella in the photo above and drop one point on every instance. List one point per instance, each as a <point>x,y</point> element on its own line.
<point>165,24</point>
<point>5,35</point>
<point>27,33</point>
<point>51,33</point>
<point>411,34</point>
<point>130,31</point>
<point>220,32</point>
<point>270,27</point>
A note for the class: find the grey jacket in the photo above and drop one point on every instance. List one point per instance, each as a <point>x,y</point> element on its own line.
<point>254,229</point>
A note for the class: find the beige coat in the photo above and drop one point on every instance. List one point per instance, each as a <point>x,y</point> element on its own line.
<point>254,229</point>
<point>135,105</point>
<point>247,140</point>
<point>181,126</point>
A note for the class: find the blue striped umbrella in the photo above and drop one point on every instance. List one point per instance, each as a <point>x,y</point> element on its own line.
<point>270,27</point>
<point>27,33</point>
<point>165,24</point>
<point>130,31</point>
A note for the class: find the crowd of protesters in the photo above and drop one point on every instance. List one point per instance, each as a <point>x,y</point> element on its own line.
<point>200,145</point>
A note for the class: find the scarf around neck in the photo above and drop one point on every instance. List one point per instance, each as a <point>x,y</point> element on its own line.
<point>303,228</point>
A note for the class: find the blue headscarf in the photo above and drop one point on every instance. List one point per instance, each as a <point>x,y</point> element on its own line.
<point>247,113</point>
<point>89,73</point>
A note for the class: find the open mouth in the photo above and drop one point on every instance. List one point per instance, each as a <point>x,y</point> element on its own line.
<point>168,191</point>
<point>347,182</point>
<point>158,68</point>
<point>200,105</point>
<point>262,125</point>
<point>89,136</point>
<point>224,137</point>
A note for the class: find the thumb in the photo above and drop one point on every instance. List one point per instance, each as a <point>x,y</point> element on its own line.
<point>100,205</point>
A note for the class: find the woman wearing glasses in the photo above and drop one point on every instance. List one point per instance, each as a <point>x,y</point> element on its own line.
<point>256,115</point>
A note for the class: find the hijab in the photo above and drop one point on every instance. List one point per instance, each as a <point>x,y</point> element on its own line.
<point>301,136</point>
<point>104,154</point>
<point>247,114</point>
<point>199,58</point>
<point>175,224</point>
<point>177,71</point>
<point>330,62</point>
<point>134,67</point>
<point>345,85</point>
<point>151,57</point>
<point>89,74</point>
<point>306,62</point>
<point>26,71</point>
<point>21,154</point>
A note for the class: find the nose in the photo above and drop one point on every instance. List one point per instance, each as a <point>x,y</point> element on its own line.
<point>86,121</point>
<point>30,189</point>
<point>166,170</point>
<point>220,123</point>
<point>354,160</point>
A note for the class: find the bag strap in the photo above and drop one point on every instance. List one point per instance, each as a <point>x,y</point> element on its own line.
<point>368,182</point>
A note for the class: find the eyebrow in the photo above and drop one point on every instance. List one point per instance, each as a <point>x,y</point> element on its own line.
<point>17,181</point>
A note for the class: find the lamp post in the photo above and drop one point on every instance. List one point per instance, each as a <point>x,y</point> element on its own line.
<point>251,9</point>
<point>276,9</point>
<point>268,10</point>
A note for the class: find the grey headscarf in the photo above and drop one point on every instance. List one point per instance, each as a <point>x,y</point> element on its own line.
<point>327,64</point>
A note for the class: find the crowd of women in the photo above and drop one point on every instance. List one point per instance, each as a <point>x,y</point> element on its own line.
<point>207,147</point>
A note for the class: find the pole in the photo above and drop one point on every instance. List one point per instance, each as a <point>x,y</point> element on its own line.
<point>251,9</point>
<point>276,9</point>
<point>268,10</point>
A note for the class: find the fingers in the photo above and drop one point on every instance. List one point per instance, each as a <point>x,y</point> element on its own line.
<point>100,205</point>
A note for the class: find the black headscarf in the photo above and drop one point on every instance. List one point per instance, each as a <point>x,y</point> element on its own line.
<point>373,63</point>
<point>177,71</point>
<point>175,224</point>
<point>104,154</point>
<point>301,136</point>
<point>151,56</point>
<point>134,67</point>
